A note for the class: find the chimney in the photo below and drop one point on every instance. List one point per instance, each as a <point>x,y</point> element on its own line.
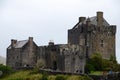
<point>30,46</point>
<point>88,21</point>
<point>81,19</point>
<point>13,42</point>
<point>30,39</point>
<point>99,18</point>
<point>51,43</point>
<point>31,42</point>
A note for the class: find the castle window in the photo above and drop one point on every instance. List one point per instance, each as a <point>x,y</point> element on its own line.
<point>102,43</point>
<point>53,49</point>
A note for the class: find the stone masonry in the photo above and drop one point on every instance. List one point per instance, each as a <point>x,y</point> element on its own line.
<point>96,34</point>
<point>90,35</point>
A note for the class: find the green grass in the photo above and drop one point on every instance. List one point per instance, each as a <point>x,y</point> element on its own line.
<point>22,75</point>
<point>27,75</point>
<point>96,73</point>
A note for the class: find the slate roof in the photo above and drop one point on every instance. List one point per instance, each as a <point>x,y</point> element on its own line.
<point>93,21</point>
<point>19,44</point>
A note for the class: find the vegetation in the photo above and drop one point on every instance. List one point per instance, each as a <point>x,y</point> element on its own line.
<point>60,77</point>
<point>44,76</point>
<point>5,69</point>
<point>96,72</point>
<point>26,75</point>
<point>97,63</point>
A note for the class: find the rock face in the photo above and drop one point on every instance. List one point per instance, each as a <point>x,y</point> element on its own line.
<point>2,60</point>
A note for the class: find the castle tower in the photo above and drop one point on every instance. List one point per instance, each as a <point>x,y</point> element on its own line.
<point>96,34</point>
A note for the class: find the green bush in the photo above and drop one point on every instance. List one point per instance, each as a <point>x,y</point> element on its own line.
<point>60,77</point>
<point>44,76</point>
<point>19,79</point>
<point>5,69</point>
<point>34,71</point>
<point>97,63</point>
<point>86,78</point>
<point>89,67</point>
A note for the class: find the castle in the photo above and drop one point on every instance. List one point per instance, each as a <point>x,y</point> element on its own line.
<point>90,35</point>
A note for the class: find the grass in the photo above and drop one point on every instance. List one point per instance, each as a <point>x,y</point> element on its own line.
<point>22,75</point>
<point>96,73</point>
<point>26,75</point>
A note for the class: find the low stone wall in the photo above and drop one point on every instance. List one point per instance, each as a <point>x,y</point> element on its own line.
<point>53,72</point>
<point>114,76</point>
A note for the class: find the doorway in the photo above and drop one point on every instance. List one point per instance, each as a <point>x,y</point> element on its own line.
<point>54,65</point>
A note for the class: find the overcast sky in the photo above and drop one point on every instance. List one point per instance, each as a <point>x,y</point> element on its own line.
<point>50,19</point>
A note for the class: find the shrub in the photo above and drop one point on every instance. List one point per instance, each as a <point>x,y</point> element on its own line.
<point>34,71</point>
<point>86,78</point>
<point>89,67</point>
<point>5,69</point>
<point>60,77</point>
<point>44,76</point>
<point>19,79</point>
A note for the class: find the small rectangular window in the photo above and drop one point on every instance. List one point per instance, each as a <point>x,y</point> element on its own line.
<point>102,43</point>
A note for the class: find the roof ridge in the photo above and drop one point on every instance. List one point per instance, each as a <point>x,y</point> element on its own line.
<point>22,40</point>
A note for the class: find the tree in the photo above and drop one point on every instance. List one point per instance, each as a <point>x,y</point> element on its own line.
<point>112,58</point>
<point>89,67</point>
<point>96,61</point>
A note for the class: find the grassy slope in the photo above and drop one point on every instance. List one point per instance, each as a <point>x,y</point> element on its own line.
<point>26,75</point>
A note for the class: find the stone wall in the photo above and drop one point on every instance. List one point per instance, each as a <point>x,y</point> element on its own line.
<point>14,58</point>
<point>97,36</point>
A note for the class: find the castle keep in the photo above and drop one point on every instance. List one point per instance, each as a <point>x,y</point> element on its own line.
<point>96,34</point>
<point>90,35</point>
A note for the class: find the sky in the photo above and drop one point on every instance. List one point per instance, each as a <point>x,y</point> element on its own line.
<point>47,20</point>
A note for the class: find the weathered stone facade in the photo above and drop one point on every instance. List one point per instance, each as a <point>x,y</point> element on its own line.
<point>88,36</point>
<point>96,34</point>
<point>64,57</point>
<point>60,57</point>
<point>22,53</point>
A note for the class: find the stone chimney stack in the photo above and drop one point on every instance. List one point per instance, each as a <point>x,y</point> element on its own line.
<point>88,22</point>
<point>13,42</point>
<point>31,44</point>
<point>31,39</point>
<point>51,43</point>
<point>82,19</point>
<point>99,18</point>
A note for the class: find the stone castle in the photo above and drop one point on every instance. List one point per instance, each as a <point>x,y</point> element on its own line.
<point>90,35</point>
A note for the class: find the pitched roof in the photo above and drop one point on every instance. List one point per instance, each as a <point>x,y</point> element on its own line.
<point>93,21</point>
<point>19,44</point>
